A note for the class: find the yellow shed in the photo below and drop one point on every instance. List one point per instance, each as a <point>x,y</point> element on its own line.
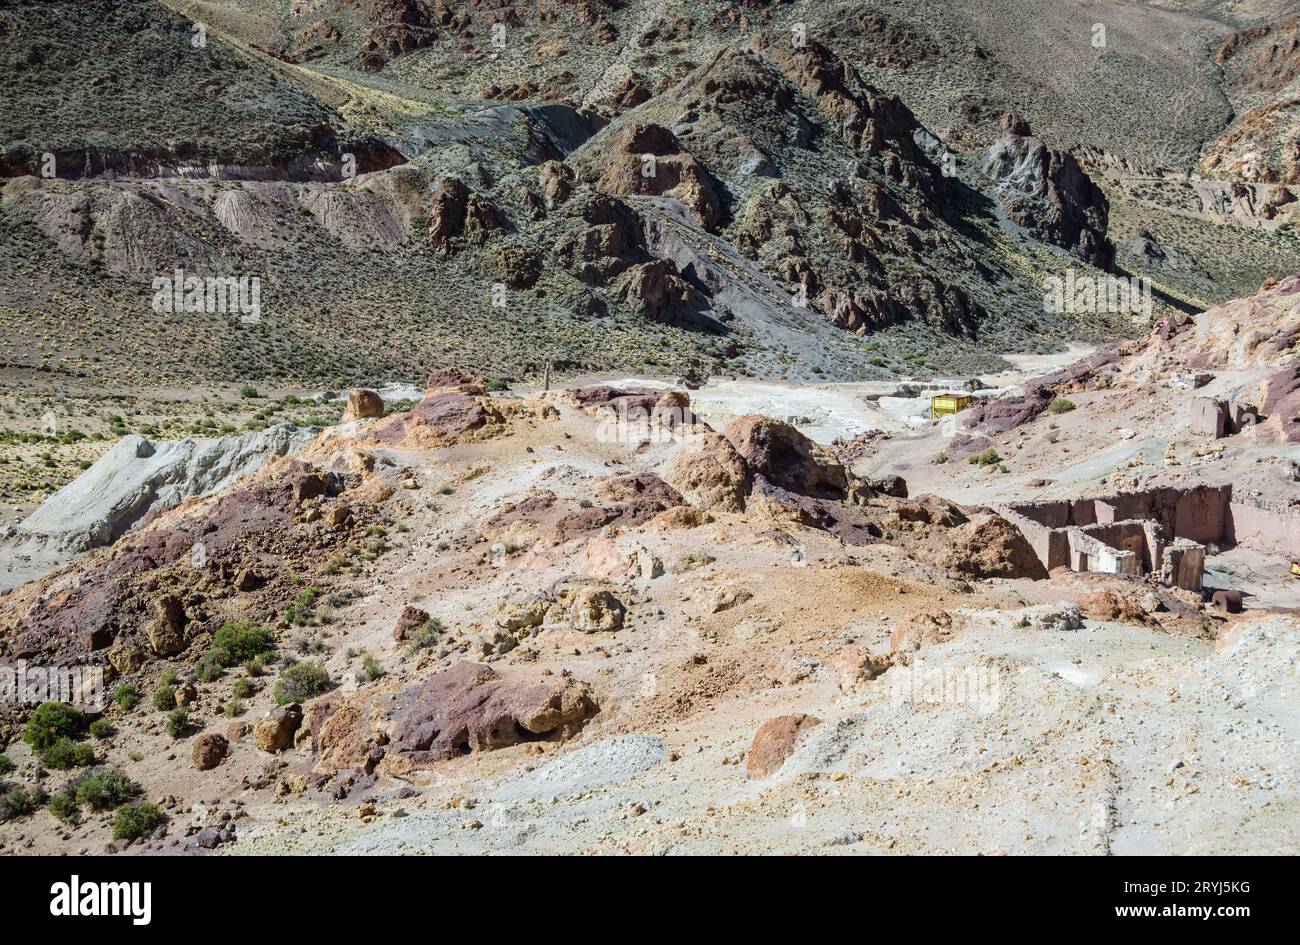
<point>943,405</point>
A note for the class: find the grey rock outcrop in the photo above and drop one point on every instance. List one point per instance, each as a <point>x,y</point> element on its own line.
<point>137,476</point>
<point>1048,193</point>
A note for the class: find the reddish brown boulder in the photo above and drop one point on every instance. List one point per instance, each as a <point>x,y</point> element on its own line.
<point>459,216</point>
<point>410,620</point>
<point>470,708</point>
<point>991,547</point>
<point>775,740</point>
<point>209,750</point>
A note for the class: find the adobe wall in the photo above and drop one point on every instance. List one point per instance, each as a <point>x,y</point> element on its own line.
<point>1050,544</point>
<point>1199,513</point>
<point>1137,537</point>
<point>1264,528</point>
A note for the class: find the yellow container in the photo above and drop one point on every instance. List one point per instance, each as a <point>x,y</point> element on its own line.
<point>943,405</point>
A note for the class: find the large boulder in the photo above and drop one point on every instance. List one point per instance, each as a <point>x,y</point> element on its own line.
<point>708,471</point>
<point>468,708</point>
<point>362,404</point>
<point>209,750</point>
<point>274,732</point>
<point>786,458</point>
<point>596,610</point>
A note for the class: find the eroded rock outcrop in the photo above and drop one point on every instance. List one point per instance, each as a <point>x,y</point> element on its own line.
<point>1048,193</point>
<point>466,708</point>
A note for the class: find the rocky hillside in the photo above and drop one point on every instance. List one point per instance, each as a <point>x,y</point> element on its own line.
<point>585,620</point>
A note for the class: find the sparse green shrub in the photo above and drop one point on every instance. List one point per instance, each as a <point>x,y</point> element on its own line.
<point>301,682</point>
<point>426,635</point>
<point>178,720</point>
<point>134,821</point>
<point>169,678</point>
<point>52,722</point>
<point>242,688</point>
<point>235,708</point>
<point>301,612</point>
<point>127,697</point>
<point>5,765</point>
<point>65,808</point>
<point>100,788</point>
<point>164,698</point>
<point>101,728</point>
<point>1061,405</point>
<point>988,457</point>
<point>65,754</point>
<point>238,641</point>
<point>210,666</point>
<point>18,801</point>
<point>370,669</point>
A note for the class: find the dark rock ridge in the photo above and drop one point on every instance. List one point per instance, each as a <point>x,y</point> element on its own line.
<point>1048,193</point>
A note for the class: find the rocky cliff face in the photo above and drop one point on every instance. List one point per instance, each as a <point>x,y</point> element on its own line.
<point>1048,193</point>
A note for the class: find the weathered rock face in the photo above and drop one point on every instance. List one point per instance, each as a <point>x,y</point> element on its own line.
<point>786,458</point>
<point>166,632</point>
<point>460,710</point>
<point>775,740</point>
<point>455,408</point>
<point>648,159</point>
<point>656,290</point>
<point>458,216</point>
<point>1048,193</point>
<point>362,404</point>
<point>989,547</point>
<point>708,471</point>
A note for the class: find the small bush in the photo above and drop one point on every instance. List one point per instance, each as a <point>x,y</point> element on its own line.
<point>238,641</point>
<point>65,808</point>
<point>303,609</point>
<point>5,765</point>
<point>210,667</point>
<point>18,801</point>
<point>164,698</point>
<point>988,457</point>
<point>178,720</point>
<point>370,669</point>
<point>134,821</point>
<point>101,728</point>
<point>301,682</point>
<point>50,723</point>
<point>127,697</point>
<point>1061,405</point>
<point>242,688</point>
<point>235,708</point>
<point>65,754</point>
<point>426,636</point>
<point>101,788</point>
<point>169,678</point>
